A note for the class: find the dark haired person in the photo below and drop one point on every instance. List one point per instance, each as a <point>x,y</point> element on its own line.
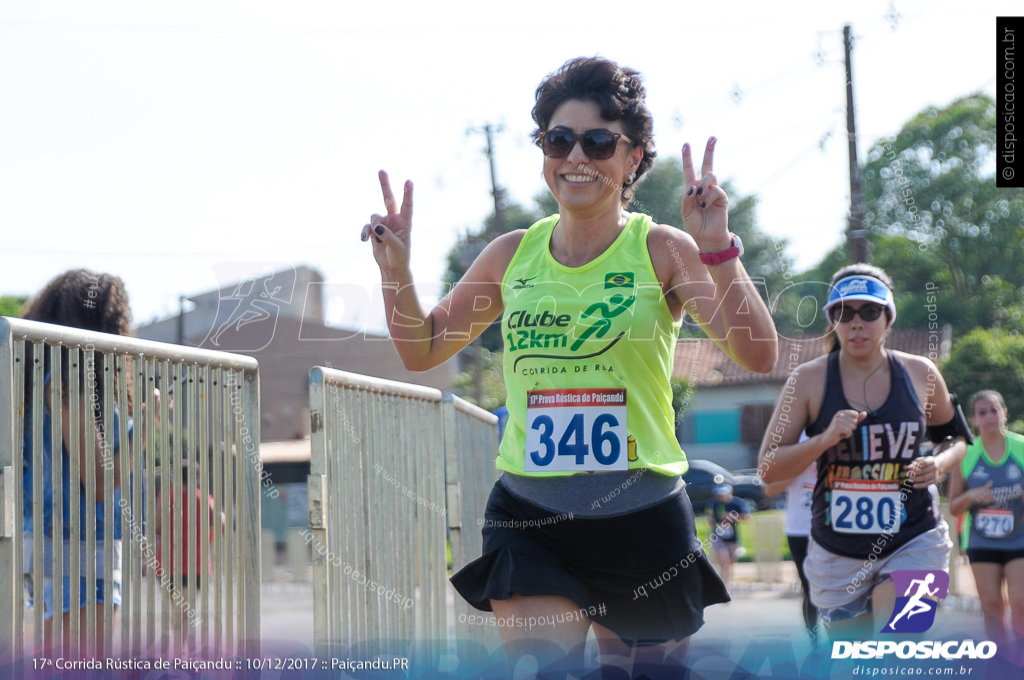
<point>92,301</point>
<point>592,300</point>
<point>866,411</point>
<point>725,513</point>
<point>988,487</point>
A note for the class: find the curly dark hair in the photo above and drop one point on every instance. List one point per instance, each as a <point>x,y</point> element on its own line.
<point>617,90</point>
<point>856,269</point>
<point>83,299</point>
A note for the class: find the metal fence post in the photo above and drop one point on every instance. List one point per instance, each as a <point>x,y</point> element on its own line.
<point>85,375</point>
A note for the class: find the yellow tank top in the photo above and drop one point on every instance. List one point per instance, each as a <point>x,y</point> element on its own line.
<point>588,357</point>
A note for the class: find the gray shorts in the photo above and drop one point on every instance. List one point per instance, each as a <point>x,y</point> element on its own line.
<point>841,586</point>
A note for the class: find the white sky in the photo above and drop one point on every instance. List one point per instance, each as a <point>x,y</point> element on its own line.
<point>157,139</point>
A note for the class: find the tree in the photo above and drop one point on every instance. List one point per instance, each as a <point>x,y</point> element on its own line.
<point>936,217</point>
<point>988,360</point>
<point>12,305</point>
<point>480,378</point>
<point>799,308</point>
<point>492,381</point>
<point>660,193</point>
<point>469,246</point>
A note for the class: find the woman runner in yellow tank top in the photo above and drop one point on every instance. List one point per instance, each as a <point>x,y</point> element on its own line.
<point>592,300</point>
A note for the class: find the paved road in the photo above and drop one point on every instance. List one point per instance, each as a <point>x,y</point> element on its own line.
<point>759,632</point>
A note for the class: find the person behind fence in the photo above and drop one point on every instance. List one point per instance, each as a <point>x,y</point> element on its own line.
<point>725,513</point>
<point>987,487</point>
<point>592,298</point>
<point>96,302</point>
<point>799,493</point>
<point>185,566</point>
<point>868,412</point>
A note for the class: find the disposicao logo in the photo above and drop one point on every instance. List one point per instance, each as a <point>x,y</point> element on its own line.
<point>913,613</point>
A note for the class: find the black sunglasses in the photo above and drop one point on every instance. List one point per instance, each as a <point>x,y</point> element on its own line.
<point>843,314</point>
<point>599,145</point>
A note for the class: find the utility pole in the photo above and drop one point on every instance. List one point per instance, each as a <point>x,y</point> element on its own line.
<point>499,228</point>
<point>496,191</point>
<point>181,319</point>
<point>855,235</point>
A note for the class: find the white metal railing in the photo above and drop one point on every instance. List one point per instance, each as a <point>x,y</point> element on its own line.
<point>392,464</point>
<point>471,445</point>
<point>98,393</point>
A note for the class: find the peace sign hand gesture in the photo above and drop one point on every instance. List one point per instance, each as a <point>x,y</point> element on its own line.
<point>391,232</point>
<point>705,207</point>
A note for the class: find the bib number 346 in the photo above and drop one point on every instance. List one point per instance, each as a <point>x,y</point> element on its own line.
<point>576,430</point>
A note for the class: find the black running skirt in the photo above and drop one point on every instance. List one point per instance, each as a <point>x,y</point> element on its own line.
<point>644,573</point>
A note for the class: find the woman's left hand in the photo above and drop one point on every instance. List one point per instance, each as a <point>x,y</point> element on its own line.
<point>705,207</point>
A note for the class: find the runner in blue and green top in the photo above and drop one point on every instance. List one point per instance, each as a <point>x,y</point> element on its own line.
<point>989,487</point>
<point>590,508</point>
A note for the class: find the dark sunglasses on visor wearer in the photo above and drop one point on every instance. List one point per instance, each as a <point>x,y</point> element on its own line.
<point>599,145</point>
<point>869,311</point>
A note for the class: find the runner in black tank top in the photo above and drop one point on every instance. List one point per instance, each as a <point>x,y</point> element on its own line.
<point>867,411</point>
<point>875,458</point>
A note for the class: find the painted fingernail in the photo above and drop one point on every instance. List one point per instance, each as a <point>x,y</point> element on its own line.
<point>379,229</point>
<point>690,192</point>
<point>703,204</point>
<point>378,239</point>
<point>700,191</point>
<point>364,237</point>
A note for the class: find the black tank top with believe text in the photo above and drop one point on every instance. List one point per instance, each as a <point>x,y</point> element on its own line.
<point>863,502</point>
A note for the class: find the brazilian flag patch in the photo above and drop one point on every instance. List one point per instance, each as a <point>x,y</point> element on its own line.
<point>618,280</point>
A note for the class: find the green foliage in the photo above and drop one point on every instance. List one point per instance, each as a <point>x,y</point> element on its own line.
<point>746,536</point>
<point>492,379</point>
<point>682,397</point>
<point>12,305</point>
<point>469,246</point>
<point>936,216</point>
<point>546,203</point>
<point>988,360</point>
<point>660,193</point>
<point>472,244</point>
<point>796,309</point>
<point>952,241</point>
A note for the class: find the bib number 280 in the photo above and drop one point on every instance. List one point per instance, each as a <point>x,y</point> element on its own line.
<point>576,430</point>
<point>866,507</point>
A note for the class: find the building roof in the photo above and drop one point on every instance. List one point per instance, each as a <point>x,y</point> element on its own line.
<point>703,364</point>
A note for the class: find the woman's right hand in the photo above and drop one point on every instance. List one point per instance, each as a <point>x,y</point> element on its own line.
<point>842,426</point>
<point>982,495</point>
<point>390,233</point>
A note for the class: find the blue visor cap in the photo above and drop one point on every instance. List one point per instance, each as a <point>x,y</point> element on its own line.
<point>859,287</point>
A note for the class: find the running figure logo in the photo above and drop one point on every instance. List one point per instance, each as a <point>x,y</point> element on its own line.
<point>248,311</point>
<point>913,612</point>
